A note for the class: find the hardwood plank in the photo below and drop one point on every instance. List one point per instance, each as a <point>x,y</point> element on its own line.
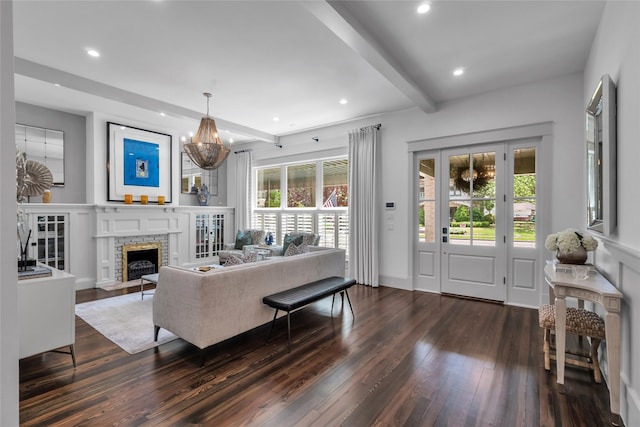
<point>408,359</point>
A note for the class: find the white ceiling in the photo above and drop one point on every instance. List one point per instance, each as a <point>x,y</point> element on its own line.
<point>287,59</point>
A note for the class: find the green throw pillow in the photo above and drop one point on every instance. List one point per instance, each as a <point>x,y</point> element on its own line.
<point>242,239</point>
<point>288,239</point>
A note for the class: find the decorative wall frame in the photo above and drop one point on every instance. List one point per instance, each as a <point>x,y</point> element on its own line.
<point>602,158</point>
<point>138,162</point>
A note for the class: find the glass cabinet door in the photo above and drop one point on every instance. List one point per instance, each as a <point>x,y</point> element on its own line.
<point>51,240</point>
<point>209,235</point>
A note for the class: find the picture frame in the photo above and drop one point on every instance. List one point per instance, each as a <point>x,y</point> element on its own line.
<point>138,162</point>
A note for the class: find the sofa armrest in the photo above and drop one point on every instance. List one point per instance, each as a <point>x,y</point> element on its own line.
<point>229,246</point>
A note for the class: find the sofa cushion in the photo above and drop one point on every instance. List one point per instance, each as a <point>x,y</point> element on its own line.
<point>290,238</point>
<point>294,249</point>
<point>233,260</point>
<point>250,257</point>
<point>242,238</point>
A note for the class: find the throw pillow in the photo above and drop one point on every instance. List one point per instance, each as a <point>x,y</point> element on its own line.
<point>257,236</point>
<point>233,260</point>
<point>289,239</point>
<point>242,239</point>
<point>294,249</point>
<point>250,257</point>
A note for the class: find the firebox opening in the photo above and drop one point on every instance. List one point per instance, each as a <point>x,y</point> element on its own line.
<point>139,260</point>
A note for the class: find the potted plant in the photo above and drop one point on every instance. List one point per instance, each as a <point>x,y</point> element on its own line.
<point>570,246</point>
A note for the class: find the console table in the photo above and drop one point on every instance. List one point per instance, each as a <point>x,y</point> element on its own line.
<point>597,289</point>
<point>46,314</point>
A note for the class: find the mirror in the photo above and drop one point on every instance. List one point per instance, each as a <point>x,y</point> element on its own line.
<point>601,158</point>
<point>193,177</point>
<point>45,146</point>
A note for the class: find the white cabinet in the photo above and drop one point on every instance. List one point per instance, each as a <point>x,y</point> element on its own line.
<point>46,314</point>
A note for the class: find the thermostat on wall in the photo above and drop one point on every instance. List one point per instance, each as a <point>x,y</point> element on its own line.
<point>390,205</point>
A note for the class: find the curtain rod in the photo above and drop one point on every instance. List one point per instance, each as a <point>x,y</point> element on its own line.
<point>378,126</point>
<point>248,150</point>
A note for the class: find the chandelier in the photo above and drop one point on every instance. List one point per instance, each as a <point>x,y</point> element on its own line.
<point>206,148</point>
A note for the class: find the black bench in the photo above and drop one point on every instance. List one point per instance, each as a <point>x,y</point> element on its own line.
<point>300,296</point>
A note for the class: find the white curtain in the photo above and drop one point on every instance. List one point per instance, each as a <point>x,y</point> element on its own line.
<point>243,190</point>
<point>363,205</point>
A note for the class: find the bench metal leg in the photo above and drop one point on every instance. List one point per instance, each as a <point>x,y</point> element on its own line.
<point>350,306</point>
<point>289,331</point>
<point>271,328</point>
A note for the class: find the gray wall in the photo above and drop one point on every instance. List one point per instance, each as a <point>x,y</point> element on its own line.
<point>74,128</point>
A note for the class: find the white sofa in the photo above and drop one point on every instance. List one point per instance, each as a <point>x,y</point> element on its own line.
<point>207,308</point>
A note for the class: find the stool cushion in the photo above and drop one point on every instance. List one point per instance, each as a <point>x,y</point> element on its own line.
<point>579,321</point>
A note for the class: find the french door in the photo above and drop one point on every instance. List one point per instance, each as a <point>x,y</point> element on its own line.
<point>473,255</point>
<point>476,221</point>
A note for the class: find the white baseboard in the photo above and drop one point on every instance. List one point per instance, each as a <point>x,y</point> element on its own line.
<point>85,283</point>
<point>396,282</point>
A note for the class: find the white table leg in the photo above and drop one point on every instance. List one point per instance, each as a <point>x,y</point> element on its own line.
<point>612,330</point>
<point>561,322</point>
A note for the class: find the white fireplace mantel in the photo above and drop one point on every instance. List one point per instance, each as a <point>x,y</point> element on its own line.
<point>93,230</point>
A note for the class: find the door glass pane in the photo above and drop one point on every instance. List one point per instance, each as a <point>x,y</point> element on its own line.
<point>426,201</point>
<point>484,175</point>
<point>483,225</point>
<point>460,174</point>
<point>524,197</point>
<point>268,191</point>
<point>301,186</point>
<point>459,225</point>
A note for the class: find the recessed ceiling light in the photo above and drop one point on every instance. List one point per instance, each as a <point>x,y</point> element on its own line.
<point>458,71</point>
<point>56,84</point>
<point>93,52</point>
<point>343,101</point>
<point>423,8</point>
<point>230,140</point>
<point>183,139</point>
<point>162,114</point>
<point>276,119</point>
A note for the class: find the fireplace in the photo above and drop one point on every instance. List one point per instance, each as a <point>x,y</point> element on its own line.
<point>139,259</point>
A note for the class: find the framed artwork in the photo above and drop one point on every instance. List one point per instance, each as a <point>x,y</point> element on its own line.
<point>138,162</point>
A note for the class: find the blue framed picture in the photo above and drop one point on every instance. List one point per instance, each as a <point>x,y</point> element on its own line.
<point>139,163</point>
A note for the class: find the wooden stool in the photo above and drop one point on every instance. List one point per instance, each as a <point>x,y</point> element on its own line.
<point>580,322</point>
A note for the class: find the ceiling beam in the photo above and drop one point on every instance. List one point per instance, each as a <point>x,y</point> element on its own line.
<point>335,16</point>
<point>41,72</point>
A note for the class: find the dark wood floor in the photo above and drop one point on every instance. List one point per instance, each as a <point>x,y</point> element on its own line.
<point>409,359</point>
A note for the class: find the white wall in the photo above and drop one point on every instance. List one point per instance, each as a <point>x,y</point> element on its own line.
<point>557,100</point>
<point>97,145</point>
<point>73,126</point>
<point>9,414</point>
<point>616,51</point>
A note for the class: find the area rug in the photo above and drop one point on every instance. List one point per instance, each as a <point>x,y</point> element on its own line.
<point>126,320</point>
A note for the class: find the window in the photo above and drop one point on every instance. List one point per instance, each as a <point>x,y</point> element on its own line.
<point>524,197</point>
<point>335,179</point>
<point>301,186</point>
<point>315,200</point>
<point>427,201</point>
<point>268,188</point>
